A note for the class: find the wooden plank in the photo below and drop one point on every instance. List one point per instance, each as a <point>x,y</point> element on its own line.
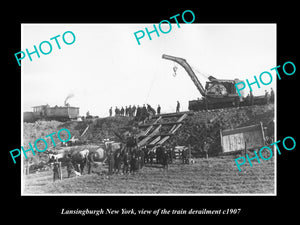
<point>157,124</point>
<point>176,128</point>
<point>155,140</point>
<point>147,138</point>
<point>158,134</point>
<point>158,119</point>
<point>166,115</point>
<point>163,140</point>
<point>241,129</point>
<point>173,128</point>
<point>182,117</point>
<point>85,130</point>
<point>147,131</point>
<point>221,135</point>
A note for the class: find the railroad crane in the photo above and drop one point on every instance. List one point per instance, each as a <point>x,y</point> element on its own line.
<point>218,93</point>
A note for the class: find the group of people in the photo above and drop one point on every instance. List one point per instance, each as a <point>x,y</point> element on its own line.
<point>130,160</point>
<point>127,159</point>
<point>139,111</point>
<point>127,111</point>
<point>268,96</point>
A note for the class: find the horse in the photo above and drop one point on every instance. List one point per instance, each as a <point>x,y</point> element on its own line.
<point>94,156</point>
<point>56,157</point>
<point>79,158</point>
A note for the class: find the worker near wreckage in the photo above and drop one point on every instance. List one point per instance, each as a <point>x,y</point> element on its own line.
<point>178,107</point>
<point>56,170</point>
<point>110,111</point>
<point>158,109</point>
<point>251,98</point>
<point>272,95</point>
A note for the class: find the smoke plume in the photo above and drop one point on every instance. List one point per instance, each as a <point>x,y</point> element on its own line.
<point>68,97</point>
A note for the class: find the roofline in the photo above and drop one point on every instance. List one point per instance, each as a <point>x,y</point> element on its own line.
<point>55,107</point>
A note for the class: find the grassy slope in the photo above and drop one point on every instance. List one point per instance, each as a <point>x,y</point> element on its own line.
<point>212,176</point>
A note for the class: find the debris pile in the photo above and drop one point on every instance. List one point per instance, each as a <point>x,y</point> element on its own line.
<point>198,127</point>
<point>206,126</point>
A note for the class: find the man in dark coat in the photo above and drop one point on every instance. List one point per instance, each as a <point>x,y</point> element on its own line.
<point>272,96</point>
<point>151,155</point>
<point>56,170</point>
<point>159,152</point>
<point>138,113</point>
<point>111,162</point>
<point>164,158</point>
<point>110,111</point>
<point>133,110</point>
<point>141,158</point>
<point>116,111</point>
<point>251,98</point>
<point>131,142</point>
<point>126,158</point>
<point>158,109</point>
<point>178,107</point>
<point>184,156</point>
<point>144,113</point>
<point>117,160</point>
<point>129,111</point>
<point>267,96</point>
<point>70,166</point>
<point>133,162</point>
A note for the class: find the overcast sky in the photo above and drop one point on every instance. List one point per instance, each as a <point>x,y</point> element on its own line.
<point>106,67</point>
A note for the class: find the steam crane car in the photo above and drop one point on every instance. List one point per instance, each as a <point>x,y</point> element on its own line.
<point>218,93</point>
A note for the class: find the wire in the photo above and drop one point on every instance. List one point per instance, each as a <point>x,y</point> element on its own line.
<point>154,79</point>
<point>206,75</point>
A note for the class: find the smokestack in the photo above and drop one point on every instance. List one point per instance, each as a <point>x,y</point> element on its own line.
<point>68,97</point>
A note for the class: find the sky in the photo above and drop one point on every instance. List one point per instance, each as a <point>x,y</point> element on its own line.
<point>106,67</point>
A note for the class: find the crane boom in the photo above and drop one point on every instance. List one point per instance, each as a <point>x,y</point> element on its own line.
<point>189,70</point>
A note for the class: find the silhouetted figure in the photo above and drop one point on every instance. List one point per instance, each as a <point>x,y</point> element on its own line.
<point>158,109</point>
<point>178,107</point>
<point>272,96</point>
<point>110,111</point>
<point>251,98</point>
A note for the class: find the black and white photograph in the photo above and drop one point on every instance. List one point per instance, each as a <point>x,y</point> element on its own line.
<point>142,109</point>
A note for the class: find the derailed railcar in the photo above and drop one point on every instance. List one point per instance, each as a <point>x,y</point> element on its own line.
<point>45,112</point>
<point>238,139</point>
<point>62,113</point>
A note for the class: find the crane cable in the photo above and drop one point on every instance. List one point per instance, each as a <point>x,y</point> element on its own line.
<point>150,89</point>
<point>175,67</point>
<point>206,75</point>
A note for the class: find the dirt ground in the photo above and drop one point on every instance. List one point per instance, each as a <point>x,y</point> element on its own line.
<point>217,175</point>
